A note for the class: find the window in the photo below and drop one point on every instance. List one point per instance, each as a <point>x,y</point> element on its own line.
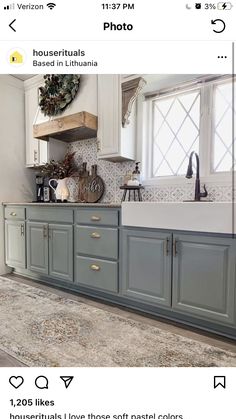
<point>222,141</point>
<point>176,125</point>
<point>193,117</point>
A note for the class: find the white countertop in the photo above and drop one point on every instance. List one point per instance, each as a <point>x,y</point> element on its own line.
<point>209,217</point>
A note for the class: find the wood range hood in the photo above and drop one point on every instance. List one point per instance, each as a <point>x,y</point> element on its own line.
<point>78,126</point>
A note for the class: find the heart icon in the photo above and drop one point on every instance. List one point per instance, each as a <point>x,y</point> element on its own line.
<point>16,382</point>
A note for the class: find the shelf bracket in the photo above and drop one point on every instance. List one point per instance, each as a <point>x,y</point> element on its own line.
<point>130,92</point>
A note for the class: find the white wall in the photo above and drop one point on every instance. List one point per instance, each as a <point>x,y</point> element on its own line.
<point>16,182</point>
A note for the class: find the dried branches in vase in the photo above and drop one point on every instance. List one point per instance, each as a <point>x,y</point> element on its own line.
<point>61,169</point>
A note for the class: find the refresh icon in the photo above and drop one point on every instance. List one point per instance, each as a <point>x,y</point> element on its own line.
<point>221,25</point>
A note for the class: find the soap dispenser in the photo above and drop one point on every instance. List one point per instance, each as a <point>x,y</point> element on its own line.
<point>136,173</point>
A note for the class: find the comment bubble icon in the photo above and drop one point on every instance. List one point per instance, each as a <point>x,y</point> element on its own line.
<point>41,382</point>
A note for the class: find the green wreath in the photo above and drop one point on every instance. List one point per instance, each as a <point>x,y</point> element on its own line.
<point>58,92</point>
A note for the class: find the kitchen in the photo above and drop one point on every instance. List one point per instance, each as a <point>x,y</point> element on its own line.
<point>117,238</point>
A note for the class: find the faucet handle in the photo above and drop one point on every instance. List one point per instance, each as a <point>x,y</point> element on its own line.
<point>205,193</point>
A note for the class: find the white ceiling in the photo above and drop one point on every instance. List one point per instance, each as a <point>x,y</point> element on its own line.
<point>23,76</point>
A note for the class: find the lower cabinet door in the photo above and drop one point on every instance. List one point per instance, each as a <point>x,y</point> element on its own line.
<point>37,247</point>
<point>204,277</point>
<point>146,266</point>
<point>61,251</point>
<point>15,244</point>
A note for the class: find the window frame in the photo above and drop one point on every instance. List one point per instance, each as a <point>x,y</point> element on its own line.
<point>223,174</point>
<point>206,136</point>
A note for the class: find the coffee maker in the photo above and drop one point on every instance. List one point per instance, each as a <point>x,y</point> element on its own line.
<point>39,188</point>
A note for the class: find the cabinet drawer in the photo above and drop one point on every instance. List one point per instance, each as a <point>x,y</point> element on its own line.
<point>97,216</point>
<point>57,215</point>
<point>97,241</point>
<point>96,273</point>
<point>15,213</point>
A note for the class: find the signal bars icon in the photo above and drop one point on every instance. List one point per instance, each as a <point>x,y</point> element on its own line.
<point>51,5</point>
<point>9,7</point>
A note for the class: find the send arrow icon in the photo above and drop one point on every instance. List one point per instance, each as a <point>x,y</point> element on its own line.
<point>67,380</point>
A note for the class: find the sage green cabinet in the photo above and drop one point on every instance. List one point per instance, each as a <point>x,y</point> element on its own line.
<point>15,244</point>
<point>146,266</point>
<point>61,251</point>
<point>50,249</point>
<point>195,275</point>
<point>204,277</point>
<point>37,247</point>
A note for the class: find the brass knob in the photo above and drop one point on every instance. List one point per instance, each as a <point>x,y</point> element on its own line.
<point>13,214</point>
<point>95,268</point>
<point>95,235</point>
<point>95,218</point>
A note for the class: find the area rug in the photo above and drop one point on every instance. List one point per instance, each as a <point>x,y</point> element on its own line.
<point>42,329</point>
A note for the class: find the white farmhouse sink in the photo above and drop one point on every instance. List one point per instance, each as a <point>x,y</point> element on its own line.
<point>212,217</point>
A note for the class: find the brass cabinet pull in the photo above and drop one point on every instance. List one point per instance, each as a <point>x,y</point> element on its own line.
<point>13,214</point>
<point>22,230</point>
<point>98,144</point>
<point>167,246</point>
<point>95,268</point>
<point>175,252</point>
<point>35,156</point>
<point>95,235</point>
<point>45,231</point>
<point>95,218</point>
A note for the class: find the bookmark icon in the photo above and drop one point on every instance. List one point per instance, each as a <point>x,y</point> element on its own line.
<point>220,381</point>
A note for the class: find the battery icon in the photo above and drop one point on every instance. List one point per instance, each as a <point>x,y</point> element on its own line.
<point>224,6</point>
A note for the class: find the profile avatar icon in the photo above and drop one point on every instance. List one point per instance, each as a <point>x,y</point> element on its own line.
<point>16,58</point>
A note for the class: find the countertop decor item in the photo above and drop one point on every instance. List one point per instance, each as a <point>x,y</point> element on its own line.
<point>58,92</point>
<point>61,191</point>
<point>58,172</point>
<point>136,175</point>
<point>134,189</point>
<point>61,169</point>
<point>91,186</point>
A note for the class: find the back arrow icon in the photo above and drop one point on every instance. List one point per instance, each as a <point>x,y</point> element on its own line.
<point>10,25</point>
<point>213,22</point>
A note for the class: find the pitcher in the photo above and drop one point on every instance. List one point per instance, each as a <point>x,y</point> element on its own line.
<point>61,191</point>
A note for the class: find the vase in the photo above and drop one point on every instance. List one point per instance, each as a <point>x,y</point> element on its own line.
<point>61,190</point>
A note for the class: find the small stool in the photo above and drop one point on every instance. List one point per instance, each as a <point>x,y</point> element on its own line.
<point>135,189</point>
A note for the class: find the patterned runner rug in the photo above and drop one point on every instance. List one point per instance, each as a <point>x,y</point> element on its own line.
<point>40,328</point>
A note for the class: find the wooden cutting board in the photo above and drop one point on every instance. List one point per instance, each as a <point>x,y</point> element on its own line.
<point>91,187</point>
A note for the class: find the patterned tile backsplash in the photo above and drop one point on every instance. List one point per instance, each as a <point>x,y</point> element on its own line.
<point>113,175</point>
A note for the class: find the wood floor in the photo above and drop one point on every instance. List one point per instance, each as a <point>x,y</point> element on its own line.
<point>219,342</point>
